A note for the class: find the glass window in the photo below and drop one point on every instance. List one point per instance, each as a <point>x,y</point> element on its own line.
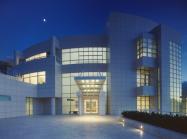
<point>84,55</point>
<point>26,75</point>
<point>35,77</point>
<point>143,103</point>
<point>66,56</point>
<point>41,79</point>
<point>26,80</point>
<point>38,56</point>
<point>41,73</point>
<point>33,80</point>
<point>146,47</point>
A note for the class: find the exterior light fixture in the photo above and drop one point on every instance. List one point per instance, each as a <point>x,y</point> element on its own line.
<point>141,127</point>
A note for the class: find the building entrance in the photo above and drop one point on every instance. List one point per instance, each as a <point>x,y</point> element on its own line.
<point>90,95</point>
<point>91,106</point>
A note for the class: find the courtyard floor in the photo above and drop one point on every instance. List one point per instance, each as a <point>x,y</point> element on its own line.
<point>68,127</point>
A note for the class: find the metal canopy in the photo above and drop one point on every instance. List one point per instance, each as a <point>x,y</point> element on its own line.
<point>90,85</point>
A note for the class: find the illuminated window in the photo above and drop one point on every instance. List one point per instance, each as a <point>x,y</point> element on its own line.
<point>143,77</point>
<point>84,55</point>
<point>70,89</point>
<point>34,78</point>
<point>146,47</point>
<point>38,56</point>
<point>185,105</point>
<point>144,103</point>
<point>175,76</point>
<point>41,77</point>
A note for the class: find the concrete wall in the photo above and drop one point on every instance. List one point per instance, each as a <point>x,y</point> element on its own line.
<point>18,91</point>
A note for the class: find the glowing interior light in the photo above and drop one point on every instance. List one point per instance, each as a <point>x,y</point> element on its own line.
<point>97,80</point>
<point>92,80</point>
<point>87,81</point>
<point>82,81</point>
<point>88,85</point>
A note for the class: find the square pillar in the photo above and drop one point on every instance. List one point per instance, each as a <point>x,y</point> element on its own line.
<point>53,108</point>
<point>102,103</point>
<point>80,103</point>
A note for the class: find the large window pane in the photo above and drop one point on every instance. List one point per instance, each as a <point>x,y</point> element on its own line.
<point>84,55</point>
<point>35,77</point>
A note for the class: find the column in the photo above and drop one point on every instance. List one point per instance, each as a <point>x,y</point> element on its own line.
<point>102,103</point>
<point>79,94</point>
<point>53,109</point>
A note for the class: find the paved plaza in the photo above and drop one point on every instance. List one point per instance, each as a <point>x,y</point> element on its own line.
<point>68,127</point>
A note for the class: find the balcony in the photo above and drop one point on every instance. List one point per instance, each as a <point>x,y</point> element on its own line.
<point>146,91</point>
<point>146,62</point>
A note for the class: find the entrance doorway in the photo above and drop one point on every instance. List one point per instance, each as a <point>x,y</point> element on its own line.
<point>91,106</point>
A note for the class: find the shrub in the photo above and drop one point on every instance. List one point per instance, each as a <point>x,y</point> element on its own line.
<point>172,122</point>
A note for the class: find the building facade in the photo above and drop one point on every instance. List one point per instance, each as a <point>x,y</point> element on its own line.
<point>136,65</point>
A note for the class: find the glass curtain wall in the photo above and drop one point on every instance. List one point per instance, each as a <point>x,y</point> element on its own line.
<point>84,55</point>
<point>175,76</point>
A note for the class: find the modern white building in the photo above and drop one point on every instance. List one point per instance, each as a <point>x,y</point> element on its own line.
<point>136,65</point>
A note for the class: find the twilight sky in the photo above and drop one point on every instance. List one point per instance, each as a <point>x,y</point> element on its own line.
<point>21,22</point>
